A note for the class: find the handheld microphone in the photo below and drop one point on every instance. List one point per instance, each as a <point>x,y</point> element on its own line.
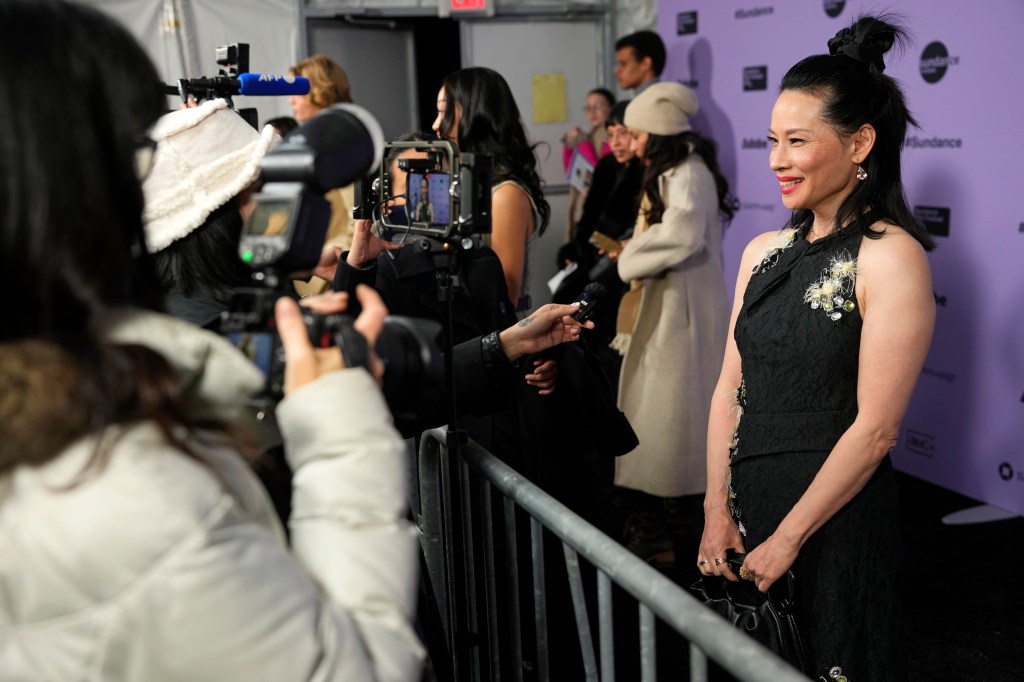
<point>589,299</point>
<point>263,84</point>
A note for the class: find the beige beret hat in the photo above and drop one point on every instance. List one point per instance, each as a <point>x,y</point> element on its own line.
<point>662,109</point>
<point>204,156</point>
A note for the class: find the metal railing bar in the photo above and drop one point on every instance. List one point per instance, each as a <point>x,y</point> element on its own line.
<point>736,652</point>
<point>490,569</point>
<point>431,526</point>
<point>471,567</point>
<point>698,665</point>
<point>579,607</point>
<point>648,648</point>
<point>515,614</point>
<point>540,609</point>
<point>607,636</point>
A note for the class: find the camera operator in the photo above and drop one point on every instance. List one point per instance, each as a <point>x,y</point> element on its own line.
<point>500,408</point>
<point>141,545</point>
<point>205,164</point>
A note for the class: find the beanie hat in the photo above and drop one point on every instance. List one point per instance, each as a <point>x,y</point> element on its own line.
<point>204,156</point>
<point>662,109</point>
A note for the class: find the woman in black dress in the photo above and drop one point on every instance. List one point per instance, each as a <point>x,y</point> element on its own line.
<point>832,321</point>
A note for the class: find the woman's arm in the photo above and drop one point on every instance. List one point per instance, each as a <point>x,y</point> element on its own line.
<point>681,232</point>
<point>894,289</point>
<point>512,223</point>
<point>720,532</point>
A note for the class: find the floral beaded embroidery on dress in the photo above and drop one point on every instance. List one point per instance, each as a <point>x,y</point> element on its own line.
<point>782,240</point>
<point>835,674</point>
<point>833,290</point>
<point>734,509</point>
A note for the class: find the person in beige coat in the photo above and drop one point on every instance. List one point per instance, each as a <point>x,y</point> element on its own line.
<point>672,323</point>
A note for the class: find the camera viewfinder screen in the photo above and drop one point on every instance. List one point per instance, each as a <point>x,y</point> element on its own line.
<point>270,218</point>
<point>257,346</point>
<point>428,197</point>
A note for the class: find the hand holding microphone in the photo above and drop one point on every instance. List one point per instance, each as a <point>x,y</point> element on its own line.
<point>551,325</point>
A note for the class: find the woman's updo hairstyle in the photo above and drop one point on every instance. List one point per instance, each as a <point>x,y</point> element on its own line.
<point>851,82</point>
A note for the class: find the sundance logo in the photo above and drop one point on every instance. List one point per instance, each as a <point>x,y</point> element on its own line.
<point>686,23</point>
<point>754,12</point>
<point>935,60</point>
<point>754,143</point>
<point>934,142</point>
<point>834,8</point>
<point>755,78</point>
<point>935,219</point>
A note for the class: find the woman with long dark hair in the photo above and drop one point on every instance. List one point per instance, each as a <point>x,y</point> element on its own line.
<point>476,110</point>
<point>672,321</point>
<point>137,543</point>
<point>832,322</point>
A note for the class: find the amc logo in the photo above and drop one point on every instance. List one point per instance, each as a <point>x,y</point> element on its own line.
<point>921,443</point>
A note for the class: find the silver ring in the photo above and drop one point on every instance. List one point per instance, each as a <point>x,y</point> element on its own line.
<point>702,562</point>
<point>719,562</point>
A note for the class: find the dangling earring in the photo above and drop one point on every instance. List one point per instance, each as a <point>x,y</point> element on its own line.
<point>861,173</point>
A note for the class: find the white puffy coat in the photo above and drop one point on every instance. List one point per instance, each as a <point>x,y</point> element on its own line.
<point>160,567</point>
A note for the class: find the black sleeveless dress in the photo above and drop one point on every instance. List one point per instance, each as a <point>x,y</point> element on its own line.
<point>798,334</point>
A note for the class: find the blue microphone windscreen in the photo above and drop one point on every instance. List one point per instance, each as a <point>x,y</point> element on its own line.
<point>270,85</point>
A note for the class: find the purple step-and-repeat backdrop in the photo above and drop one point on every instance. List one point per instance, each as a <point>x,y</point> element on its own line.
<point>964,77</point>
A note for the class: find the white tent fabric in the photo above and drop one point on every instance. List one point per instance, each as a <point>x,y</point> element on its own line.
<point>180,33</point>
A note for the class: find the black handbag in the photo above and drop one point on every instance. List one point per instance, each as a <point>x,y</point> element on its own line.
<point>769,618</point>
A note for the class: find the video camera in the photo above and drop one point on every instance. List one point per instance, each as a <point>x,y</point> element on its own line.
<point>448,194</point>
<point>234,78</point>
<point>283,237</point>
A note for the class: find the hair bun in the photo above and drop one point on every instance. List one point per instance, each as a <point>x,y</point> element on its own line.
<point>866,41</point>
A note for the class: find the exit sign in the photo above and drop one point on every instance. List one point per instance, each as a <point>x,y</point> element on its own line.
<point>447,8</point>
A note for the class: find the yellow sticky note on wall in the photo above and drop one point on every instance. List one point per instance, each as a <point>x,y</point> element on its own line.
<point>550,103</point>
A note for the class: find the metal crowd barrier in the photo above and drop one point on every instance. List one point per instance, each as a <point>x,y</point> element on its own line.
<point>453,507</point>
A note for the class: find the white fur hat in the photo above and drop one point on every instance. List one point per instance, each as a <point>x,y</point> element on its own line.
<point>662,109</point>
<point>204,156</point>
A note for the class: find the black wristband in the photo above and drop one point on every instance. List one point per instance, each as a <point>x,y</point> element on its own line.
<point>494,357</point>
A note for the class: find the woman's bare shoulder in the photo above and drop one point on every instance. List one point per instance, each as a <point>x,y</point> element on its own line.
<point>895,250</point>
